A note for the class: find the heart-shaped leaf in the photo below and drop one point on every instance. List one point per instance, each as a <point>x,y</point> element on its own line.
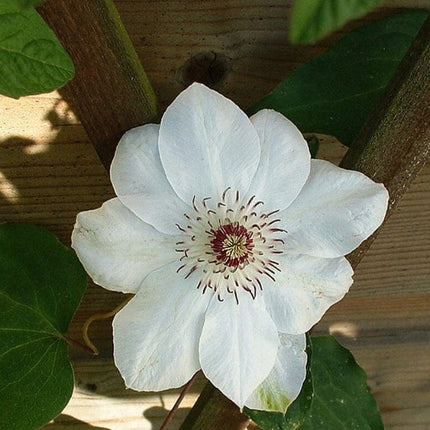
<point>41,285</point>
<point>334,396</point>
<point>32,60</point>
<point>313,19</point>
<point>334,93</point>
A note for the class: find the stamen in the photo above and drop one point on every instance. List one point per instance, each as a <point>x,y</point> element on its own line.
<point>225,193</point>
<point>204,201</point>
<point>180,268</point>
<point>235,296</point>
<point>230,246</point>
<point>194,204</point>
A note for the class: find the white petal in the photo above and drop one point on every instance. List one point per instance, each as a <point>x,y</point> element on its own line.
<point>117,249</point>
<point>207,144</point>
<point>156,335</point>
<point>335,211</point>
<point>304,289</point>
<point>285,381</point>
<point>284,161</point>
<point>238,346</point>
<point>140,182</point>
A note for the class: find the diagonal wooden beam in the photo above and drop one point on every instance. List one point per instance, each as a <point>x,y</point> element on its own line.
<point>391,148</point>
<point>110,92</point>
<point>394,144</point>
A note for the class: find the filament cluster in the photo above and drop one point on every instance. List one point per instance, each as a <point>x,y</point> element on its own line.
<point>230,245</point>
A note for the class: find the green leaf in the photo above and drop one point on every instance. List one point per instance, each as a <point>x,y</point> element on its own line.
<point>22,4</point>
<point>334,396</point>
<point>334,93</point>
<point>41,285</point>
<point>32,60</point>
<point>313,19</point>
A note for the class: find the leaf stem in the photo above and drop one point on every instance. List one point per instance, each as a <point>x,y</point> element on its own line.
<point>96,317</point>
<point>172,412</point>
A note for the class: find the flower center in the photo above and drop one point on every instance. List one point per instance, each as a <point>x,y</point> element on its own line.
<point>230,246</point>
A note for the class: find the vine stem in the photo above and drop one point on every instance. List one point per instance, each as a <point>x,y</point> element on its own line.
<point>172,412</point>
<point>77,344</point>
<point>96,317</point>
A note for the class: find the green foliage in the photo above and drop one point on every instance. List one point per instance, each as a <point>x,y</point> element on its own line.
<point>21,4</point>
<point>313,19</point>
<point>32,60</point>
<point>41,285</point>
<point>334,93</point>
<point>334,396</point>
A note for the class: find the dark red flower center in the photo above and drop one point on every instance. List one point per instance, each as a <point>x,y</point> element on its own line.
<point>232,244</point>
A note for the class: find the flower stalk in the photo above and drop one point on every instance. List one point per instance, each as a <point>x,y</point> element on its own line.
<point>178,402</point>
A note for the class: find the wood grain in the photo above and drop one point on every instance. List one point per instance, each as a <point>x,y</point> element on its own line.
<point>49,172</point>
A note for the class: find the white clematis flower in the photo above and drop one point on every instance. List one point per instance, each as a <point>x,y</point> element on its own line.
<point>232,240</point>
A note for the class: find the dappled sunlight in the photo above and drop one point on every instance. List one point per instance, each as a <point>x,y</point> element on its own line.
<point>344,329</point>
<point>33,120</point>
<point>144,410</point>
<point>24,130</point>
<point>35,148</point>
<point>60,114</point>
<point>48,170</point>
<point>7,190</point>
<point>27,118</point>
<point>64,420</point>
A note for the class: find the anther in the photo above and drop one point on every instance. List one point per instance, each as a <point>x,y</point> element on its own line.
<point>194,204</point>
<point>225,193</point>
